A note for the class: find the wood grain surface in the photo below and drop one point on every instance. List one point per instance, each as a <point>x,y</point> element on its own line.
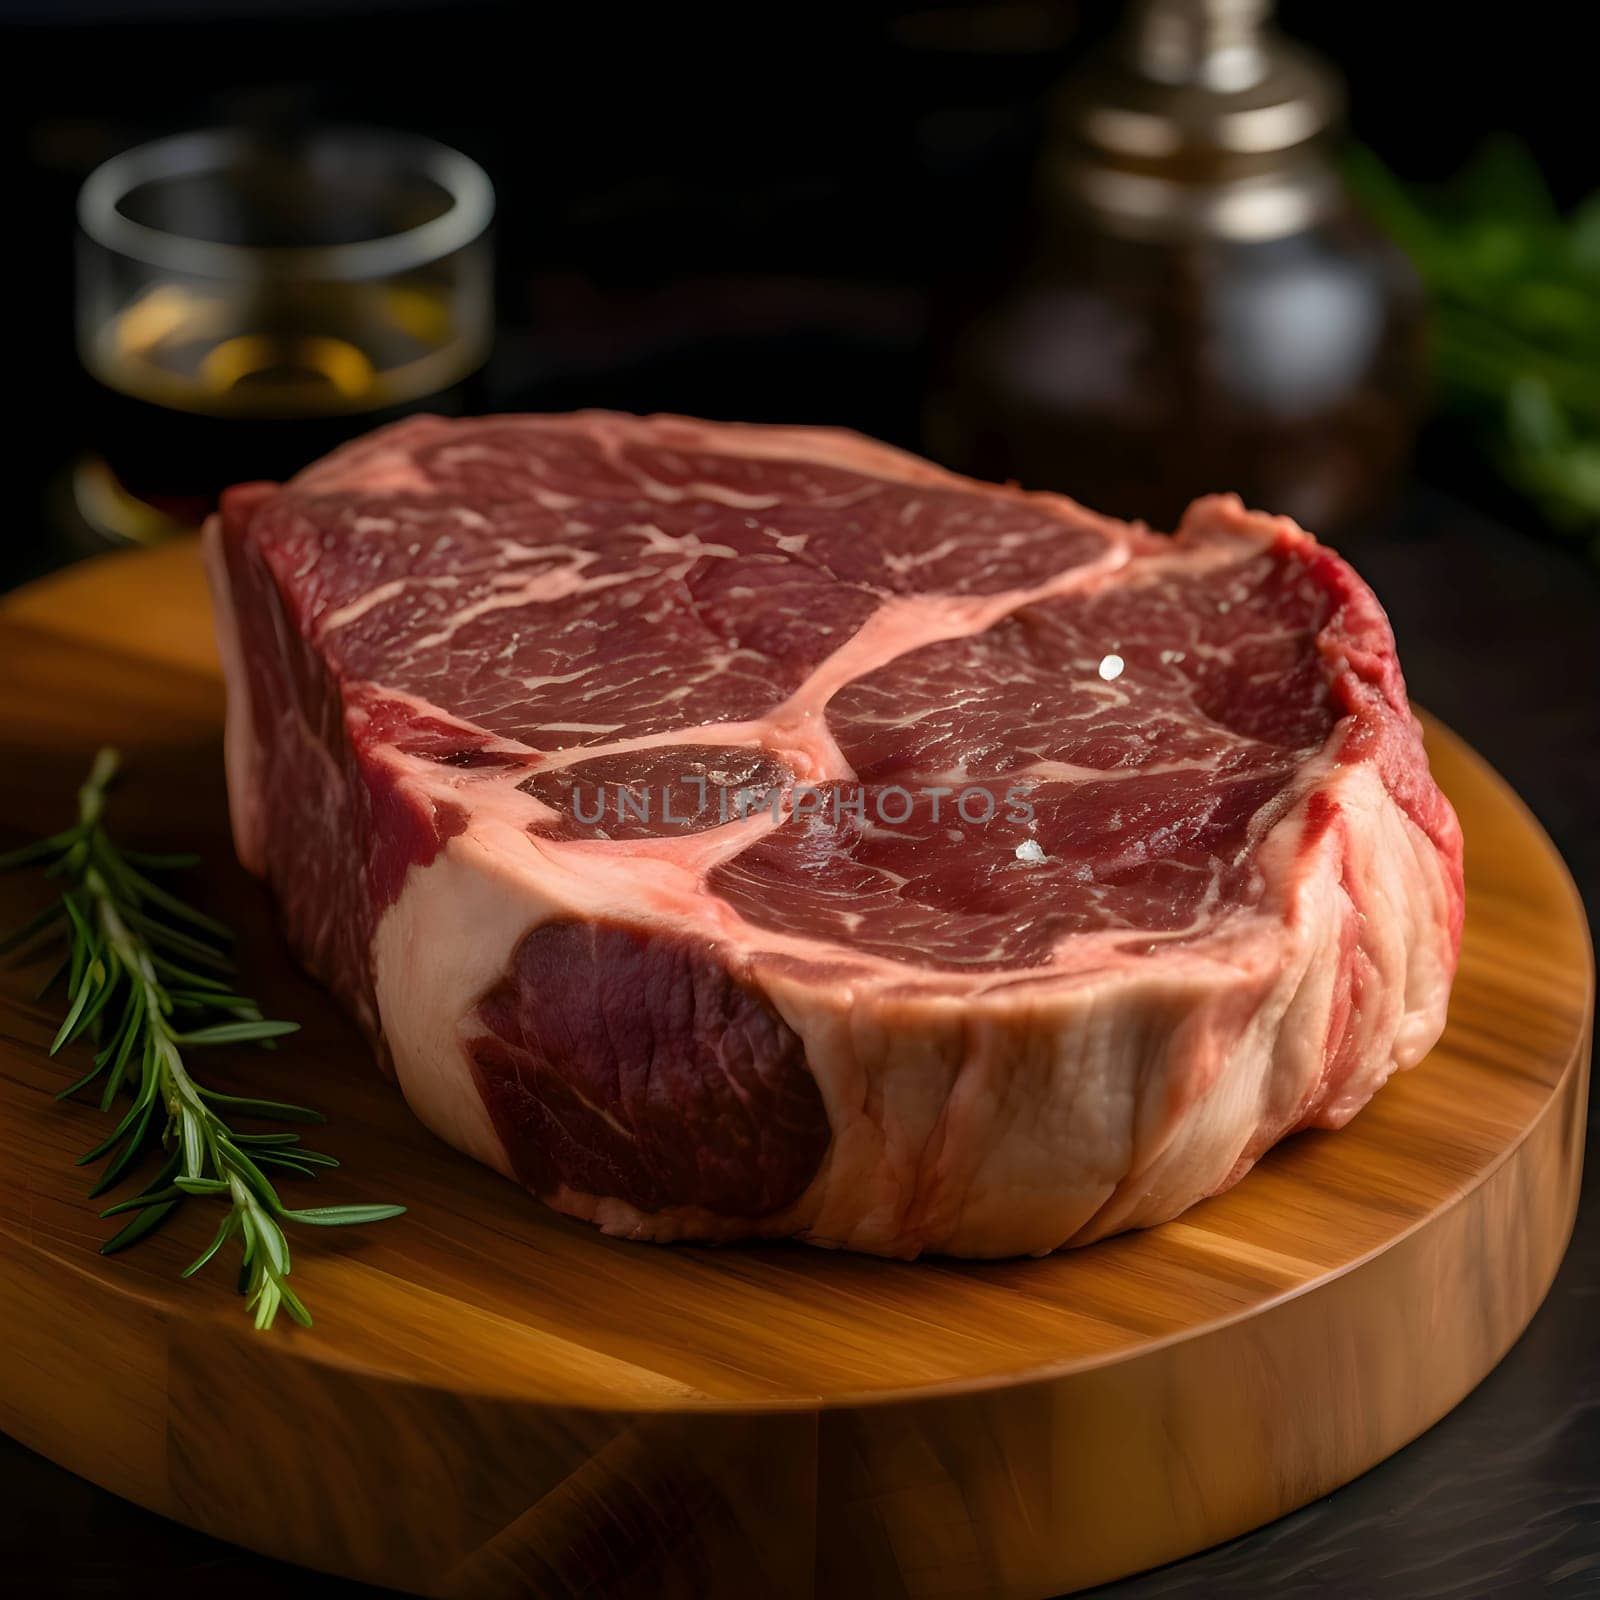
<point>495,1401</point>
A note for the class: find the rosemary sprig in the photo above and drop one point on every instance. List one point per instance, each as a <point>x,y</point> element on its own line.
<point>148,979</point>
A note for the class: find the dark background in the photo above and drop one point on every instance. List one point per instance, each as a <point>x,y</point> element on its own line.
<point>748,212</point>
<point>728,211</point>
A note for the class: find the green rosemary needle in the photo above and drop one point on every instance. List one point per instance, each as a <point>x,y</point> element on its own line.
<point>147,980</point>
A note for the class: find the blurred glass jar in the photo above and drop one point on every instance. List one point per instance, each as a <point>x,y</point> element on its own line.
<point>1200,305</point>
<point>248,300</point>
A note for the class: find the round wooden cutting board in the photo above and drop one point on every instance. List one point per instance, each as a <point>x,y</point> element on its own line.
<point>495,1401</point>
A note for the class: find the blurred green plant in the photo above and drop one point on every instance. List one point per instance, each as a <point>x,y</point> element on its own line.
<point>1514,287</point>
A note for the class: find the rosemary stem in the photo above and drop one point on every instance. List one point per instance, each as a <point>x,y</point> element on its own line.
<point>129,939</point>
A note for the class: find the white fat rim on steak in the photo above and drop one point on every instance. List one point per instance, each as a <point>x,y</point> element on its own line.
<point>972,1123</point>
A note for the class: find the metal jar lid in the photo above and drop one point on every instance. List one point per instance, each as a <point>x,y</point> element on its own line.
<point>1197,118</point>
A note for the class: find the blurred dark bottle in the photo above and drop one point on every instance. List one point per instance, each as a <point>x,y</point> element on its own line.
<point>1199,306</point>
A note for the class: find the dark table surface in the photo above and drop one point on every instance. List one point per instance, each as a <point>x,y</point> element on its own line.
<point>1499,631</point>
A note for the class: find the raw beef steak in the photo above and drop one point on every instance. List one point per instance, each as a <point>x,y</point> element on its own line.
<point>732,831</point>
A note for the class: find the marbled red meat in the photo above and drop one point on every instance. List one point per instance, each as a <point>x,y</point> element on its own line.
<point>739,831</point>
